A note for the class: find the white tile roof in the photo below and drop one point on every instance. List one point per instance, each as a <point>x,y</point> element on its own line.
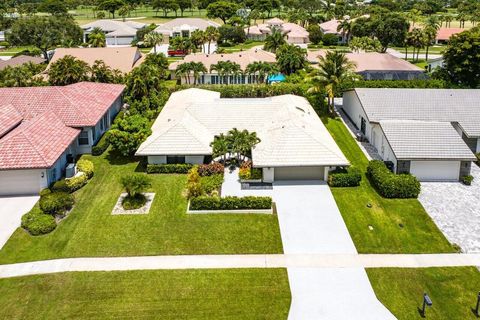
<point>290,131</point>
<point>185,24</point>
<point>425,140</point>
<point>442,105</point>
<point>115,27</point>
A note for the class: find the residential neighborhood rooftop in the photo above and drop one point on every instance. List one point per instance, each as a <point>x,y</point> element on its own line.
<point>20,60</point>
<point>185,23</point>
<point>114,27</point>
<point>445,33</point>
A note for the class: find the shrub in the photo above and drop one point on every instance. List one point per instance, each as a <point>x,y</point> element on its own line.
<point>211,169</point>
<point>345,178</point>
<point>391,185</point>
<point>45,192</point>
<point>5,44</point>
<point>56,203</point>
<point>211,183</point>
<point>135,184</point>
<point>254,90</point>
<point>246,172</point>
<point>194,187</point>
<point>230,203</point>
<point>75,183</point>
<point>36,222</point>
<point>128,133</point>
<point>467,180</point>
<point>330,39</point>
<point>101,146</point>
<point>131,203</point>
<point>60,186</point>
<point>169,168</point>
<point>478,157</point>
<point>86,166</point>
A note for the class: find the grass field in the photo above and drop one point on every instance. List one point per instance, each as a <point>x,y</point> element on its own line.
<point>399,225</point>
<point>453,291</point>
<point>91,230</point>
<point>172,294</point>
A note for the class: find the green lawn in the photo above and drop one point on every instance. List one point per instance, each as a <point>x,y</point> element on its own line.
<point>171,294</point>
<point>453,291</point>
<point>243,46</point>
<point>91,230</point>
<point>399,225</point>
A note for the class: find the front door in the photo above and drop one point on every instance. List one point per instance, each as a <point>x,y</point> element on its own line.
<point>363,126</point>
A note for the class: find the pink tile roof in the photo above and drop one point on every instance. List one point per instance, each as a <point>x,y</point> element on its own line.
<point>39,123</point>
<point>18,61</point>
<point>446,33</point>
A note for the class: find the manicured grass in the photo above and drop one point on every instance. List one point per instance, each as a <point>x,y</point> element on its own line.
<point>172,294</point>
<point>91,230</point>
<point>399,225</point>
<point>243,46</point>
<point>453,291</point>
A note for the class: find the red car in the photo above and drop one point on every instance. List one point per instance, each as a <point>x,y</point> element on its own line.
<point>177,53</point>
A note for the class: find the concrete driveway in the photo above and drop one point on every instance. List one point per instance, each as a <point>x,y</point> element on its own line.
<point>11,211</point>
<point>310,222</point>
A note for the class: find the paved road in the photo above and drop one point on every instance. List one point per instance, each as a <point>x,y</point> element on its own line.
<point>11,211</point>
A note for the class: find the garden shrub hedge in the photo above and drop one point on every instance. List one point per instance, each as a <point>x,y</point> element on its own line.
<point>350,177</point>
<point>86,166</point>
<point>205,170</point>
<point>211,183</point>
<point>56,203</point>
<point>169,168</point>
<point>412,84</point>
<point>230,203</point>
<point>101,146</point>
<point>71,184</point>
<point>36,222</point>
<point>253,90</point>
<point>391,185</point>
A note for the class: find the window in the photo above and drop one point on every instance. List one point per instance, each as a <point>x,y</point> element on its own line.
<point>83,138</point>
<point>175,159</point>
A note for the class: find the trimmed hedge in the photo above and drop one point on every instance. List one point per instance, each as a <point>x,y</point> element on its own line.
<point>412,84</point>
<point>85,166</point>
<point>36,222</point>
<point>71,184</point>
<point>230,203</point>
<point>391,185</point>
<point>252,90</point>
<point>169,168</point>
<point>56,203</point>
<point>101,146</point>
<point>211,183</point>
<point>205,170</point>
<point>345,178</point>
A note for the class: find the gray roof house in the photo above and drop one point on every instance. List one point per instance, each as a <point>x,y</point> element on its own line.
<point>117,33</point>
<point>431,133</point>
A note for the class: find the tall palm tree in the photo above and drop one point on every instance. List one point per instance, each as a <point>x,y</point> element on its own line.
<point>345,26</point>
<point>197,68</point>
<point>198,38</point>
<point>262,69</point>
<point>274,40</point>
<point>429,36</point>
<point>152,39</point>
<point>183,70</point>
<point>225,69</point>
<point>334,69</point>
<point>211,35</point>
<point>416,38</point>
<point>220,147</point>
<point>448,20</point>
<point>96,38</point>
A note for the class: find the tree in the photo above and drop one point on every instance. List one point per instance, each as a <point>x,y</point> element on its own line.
<point>127,133</point>
<point>197,68</point>
<point>184,5</point>
<point>225,69</point>
<point>165,5</point>
<point>100,72</point>
<point>232,34</point>
<point>22,76</point>
<point>198,38</point>
<point>220,147</point>
<point>54,7</point>
<point>96,38</point>
<point>334,69</point>
<point>223,10</point>
<point>390,29</point>
<point>429,35</point>
<point>181,43</point>
<point>274,40</point>
<point>315,33</point>
<point>111,6</point>
<point>241,142</point>
<point>211,35</point>
<point>183,70</point>
<point>152,39</point>
<point>124,11</point>
<point>159,61</point>
<point>416,39</point>
<point>262,69</point>
<point>68,70</point>
<point>345,27</point>
<point>144,79</point>
<point>462,59</point>
<point>366,44</point>
<point>45,33</point>
<point>135,184</point>
<point>291,58</point>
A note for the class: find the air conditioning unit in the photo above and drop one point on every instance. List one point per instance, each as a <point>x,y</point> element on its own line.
<point>71,170</point>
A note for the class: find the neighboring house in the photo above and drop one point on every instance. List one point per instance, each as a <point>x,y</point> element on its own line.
<point>435,63</point>
<point>43,128</point>
<point>2,36</point>
<point>377,66</point>
<point>183,27</point>
<point>431,133</point>
<point>294,142</point>
<point>331,27</point>
<point>294,33</point>
<point>444,34</point>
<point>243,58</point>
<point>20,60</point>
<point>123,59</point>
<point>117,33</point>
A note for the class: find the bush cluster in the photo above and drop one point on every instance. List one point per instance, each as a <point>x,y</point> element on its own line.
<point>230,203</point>
<point>101,146</point>
<point>56,203</point>
<point>467,180</point>
<point>36,222</point>
<point>212,183</point>
<point>345,178</point>
<point>169,168</point>
<point>409,84</point>
<point>85,166</point>
<point>246,172</point>
<point>253,91</point>
<point>392,185</point>
<point>205,170</point>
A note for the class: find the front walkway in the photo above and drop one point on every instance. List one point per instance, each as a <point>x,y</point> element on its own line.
<point>232,187</point>
<point>11,211</point>
<point>310,223</point>
<point>455,208</point>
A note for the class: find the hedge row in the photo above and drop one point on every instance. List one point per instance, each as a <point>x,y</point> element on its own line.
<point>345,178</point>
<point>252,90</point>
<point>392,185</point>
<point>56,203</point>
<point>412,84</point>
<point>169,168</point>
<point>73,184</point>
<point>37,223</point>
<point>205,170</point>
<point>101,146</point>
<point>230,203</point>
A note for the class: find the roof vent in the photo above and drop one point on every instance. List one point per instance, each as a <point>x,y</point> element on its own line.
<point>221,55</point>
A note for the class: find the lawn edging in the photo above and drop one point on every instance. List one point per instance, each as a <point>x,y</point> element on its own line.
<point>240,211</point>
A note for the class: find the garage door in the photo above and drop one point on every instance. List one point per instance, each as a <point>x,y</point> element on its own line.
<point>299,173</point>
<point>435,170</point>
<point>19,182</point>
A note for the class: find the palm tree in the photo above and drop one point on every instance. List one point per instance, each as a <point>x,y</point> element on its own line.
<point>211,35</point>
<point>152,39</point>
<point>220,147</point>
<point>197,68</point>
<point>274,40</point>
<point>96,38</point>
<point>198,38</point>
<point>346,28</point>
<point>262,69</point>
<point>183,70</point>
<point>429,36</point>
<point>334,69</point>
<point>225,69</point>
<point>291,58</point>
<point>448,20</point>
<point>416,38</point>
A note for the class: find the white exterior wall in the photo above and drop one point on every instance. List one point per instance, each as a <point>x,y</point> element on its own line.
<point>157,159</point>
<point>379,141</point>
<point>268,174</point>
<point>478,145</point>
<point>119,41</point>
<point>353,108</point>
<point>194,159</point>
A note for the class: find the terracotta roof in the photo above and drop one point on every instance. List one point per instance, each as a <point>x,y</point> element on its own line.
<point>122,58</point>
<point>446,33</point>
<point>291,30</point>
<point>9,118</point>
<point>330,26</point>
<point>18,61</point>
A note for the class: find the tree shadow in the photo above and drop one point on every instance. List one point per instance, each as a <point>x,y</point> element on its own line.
<point>420,312</point>
<point>475,312</point>
<point>115,158</point>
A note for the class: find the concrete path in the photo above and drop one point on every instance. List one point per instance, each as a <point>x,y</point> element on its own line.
<point>231,186</point>
<point>304,265</point>
<point>421,56</point>
<point>310,223</point>
<point>11,211</point>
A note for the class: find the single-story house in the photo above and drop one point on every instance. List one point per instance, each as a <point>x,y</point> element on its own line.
<point>243,58</point>
<point>20,60</point>
<point>120,58</point>
<point>444,34</point>
<point>2,36</point>
<point>377,66</point>
<point>431,133</point>
<point>294,33</point>
<point>42,128</point>
<point>294,145</point>
<point>183,27</point>
<point>331,27</point>
<point>117,33</point>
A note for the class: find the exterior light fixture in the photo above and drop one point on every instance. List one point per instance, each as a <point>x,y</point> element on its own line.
<point>427,302</point>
